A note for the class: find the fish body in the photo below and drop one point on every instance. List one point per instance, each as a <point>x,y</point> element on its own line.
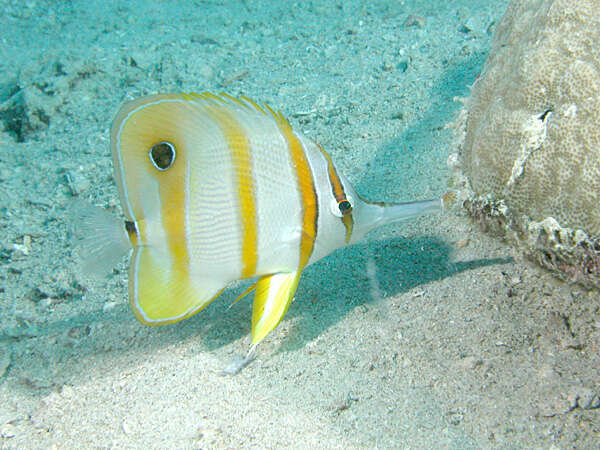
<point>216,189</point>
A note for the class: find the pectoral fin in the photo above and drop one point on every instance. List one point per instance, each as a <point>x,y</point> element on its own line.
<point>273,296</point>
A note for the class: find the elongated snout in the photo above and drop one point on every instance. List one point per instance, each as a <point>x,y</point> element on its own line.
<point>368,216</point>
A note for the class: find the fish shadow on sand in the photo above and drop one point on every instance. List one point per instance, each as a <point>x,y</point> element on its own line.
<point>331,288</point>
<point>371,273</point>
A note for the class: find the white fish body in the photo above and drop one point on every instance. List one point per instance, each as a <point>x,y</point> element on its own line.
<point>217,189</point>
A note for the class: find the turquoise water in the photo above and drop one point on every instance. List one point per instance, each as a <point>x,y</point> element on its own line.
<point>374,83</point>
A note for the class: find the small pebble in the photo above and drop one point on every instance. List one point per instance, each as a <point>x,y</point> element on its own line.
<point>588,399</point>
<point>449,200</point>
<point>7,430</point>
<point>414,21</point>
<point>108,306</point>
<point>461,243</point>
<point>77,182</point>
<point>68,391</point>
<point>470,362</point>
<point>47,303</point>
<point>21,248</point>
<point>126,428</point>
<point>452,160</point>
<point>387,66</point>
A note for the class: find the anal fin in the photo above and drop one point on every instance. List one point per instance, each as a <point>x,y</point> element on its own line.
<point>243,294</point>
<point>273,296</point>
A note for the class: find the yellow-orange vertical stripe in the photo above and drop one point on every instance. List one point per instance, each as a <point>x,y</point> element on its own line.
<point>334,179</point>
<point>239,145</point>
<point>306,187</point>
<point>172,200</point>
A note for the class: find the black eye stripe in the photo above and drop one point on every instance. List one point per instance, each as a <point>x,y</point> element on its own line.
<point>162,155</point>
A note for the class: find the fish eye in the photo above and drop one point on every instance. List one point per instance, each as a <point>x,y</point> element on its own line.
<point>341,208</point>
<point>345,207</point>
<point>162,155</point>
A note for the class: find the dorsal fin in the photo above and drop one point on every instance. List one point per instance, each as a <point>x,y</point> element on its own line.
<point>245,102</point>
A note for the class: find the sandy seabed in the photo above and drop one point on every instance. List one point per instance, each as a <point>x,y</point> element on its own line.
<point>426,335</point>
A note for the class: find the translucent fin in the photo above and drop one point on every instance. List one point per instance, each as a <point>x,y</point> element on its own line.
<point>253,104</point>
<point>161,293</point>
<point>273,296</point>
<point>239,363</point>
<point>101,240</point>
<point>225,99</point>
<point>243,294</point>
